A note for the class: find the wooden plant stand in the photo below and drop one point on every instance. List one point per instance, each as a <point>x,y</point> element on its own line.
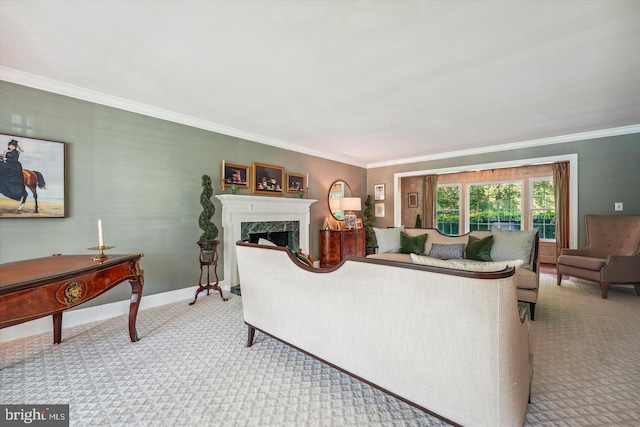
<point>205,261</point>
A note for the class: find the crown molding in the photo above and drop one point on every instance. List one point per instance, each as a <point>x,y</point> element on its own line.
<point>582,136</point>
<point>48,85</point>
<point>37,82</point>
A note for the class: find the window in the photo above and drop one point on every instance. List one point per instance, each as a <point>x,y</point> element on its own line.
<point>495,205</point>
<point>543,208</point>
<point>448,209</point>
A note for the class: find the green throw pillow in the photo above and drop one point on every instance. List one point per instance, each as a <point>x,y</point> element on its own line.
<point>479,249</point>
<point>412,245</point>
<point>304,259</point>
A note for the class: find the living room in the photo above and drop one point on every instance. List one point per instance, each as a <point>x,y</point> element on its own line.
<point>139,171</point>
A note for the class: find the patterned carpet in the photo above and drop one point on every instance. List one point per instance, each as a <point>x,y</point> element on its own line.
<point>191,368</point>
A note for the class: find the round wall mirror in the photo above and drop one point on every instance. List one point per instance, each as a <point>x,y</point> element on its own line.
<point>338,190</point>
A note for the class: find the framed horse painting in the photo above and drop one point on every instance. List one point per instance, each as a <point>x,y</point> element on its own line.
<point>32,178</point>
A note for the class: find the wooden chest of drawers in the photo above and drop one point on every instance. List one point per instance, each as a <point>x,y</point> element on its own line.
<point>335,245</point>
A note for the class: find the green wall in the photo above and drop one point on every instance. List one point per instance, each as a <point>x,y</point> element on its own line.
<point>142,176</point>
<point>608,172</point>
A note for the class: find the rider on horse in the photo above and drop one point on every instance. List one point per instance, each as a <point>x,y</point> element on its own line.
<point>11,179</point>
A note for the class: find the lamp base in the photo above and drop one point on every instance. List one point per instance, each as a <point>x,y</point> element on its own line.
<point>350,219</point>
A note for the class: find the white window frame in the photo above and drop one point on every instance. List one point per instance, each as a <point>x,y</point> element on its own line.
<point>460,212</point>
<point>506,181</point>
<point>531,209</point>
<point>573,183</point>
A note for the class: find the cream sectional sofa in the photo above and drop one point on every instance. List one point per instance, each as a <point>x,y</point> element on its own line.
<point>412,331</point>
<point>527,275</point>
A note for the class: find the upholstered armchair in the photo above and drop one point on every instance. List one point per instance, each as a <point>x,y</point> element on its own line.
<point>612,254</point>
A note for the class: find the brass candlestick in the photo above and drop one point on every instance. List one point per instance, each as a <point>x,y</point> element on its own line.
<point>101,256</point>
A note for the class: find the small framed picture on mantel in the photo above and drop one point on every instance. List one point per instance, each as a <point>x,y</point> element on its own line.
<point>295,183</point>
<point>236,174</point>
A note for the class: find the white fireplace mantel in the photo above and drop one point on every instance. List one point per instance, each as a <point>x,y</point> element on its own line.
<point>238,209</point>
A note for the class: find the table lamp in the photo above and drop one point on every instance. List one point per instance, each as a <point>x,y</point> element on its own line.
<point>350,204</point>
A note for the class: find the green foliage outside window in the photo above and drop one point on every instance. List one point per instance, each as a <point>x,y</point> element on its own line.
<point>498,205</point>
<point>448,210</point>
<point>495,205</point>
<point>543,208</point>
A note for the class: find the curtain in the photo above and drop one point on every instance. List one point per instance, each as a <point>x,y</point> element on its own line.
<point>430,193</point>
<point>561,186</point>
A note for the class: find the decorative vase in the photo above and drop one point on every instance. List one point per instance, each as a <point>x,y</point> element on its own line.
<point>234,188</point>
<point>301,193</point>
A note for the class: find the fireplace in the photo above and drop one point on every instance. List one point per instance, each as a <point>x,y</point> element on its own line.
<point>278,238</point>
<point>282,233</point>
<point>244,215</point>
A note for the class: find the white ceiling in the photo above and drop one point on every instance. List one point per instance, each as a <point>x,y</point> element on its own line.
<point>364,82</point>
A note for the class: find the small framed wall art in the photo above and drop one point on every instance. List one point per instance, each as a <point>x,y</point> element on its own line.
<point>295,183</point>
<point>379,210</point>
<point>236,174</point>
<point>32,178</point>
<point>267,179</point>
<point>413,200</point>
<point>378,191</point>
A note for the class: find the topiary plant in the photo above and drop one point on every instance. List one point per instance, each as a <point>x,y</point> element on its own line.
<point>367,223</point>
<point>210,231</point>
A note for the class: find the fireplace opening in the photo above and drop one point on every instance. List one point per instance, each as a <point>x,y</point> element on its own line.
<point>279,238</point>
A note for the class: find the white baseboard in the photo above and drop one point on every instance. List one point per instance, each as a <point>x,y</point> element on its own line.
<point>94,314</point>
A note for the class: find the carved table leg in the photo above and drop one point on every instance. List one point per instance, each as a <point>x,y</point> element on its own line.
<point>136,296</point>
<point>57,328</point>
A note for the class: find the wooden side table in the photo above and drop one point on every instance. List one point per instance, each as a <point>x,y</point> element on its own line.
<point>208,259</point>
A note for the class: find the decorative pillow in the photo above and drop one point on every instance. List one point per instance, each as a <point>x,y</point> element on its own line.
<point>388,239</point>
<point>304,259</point>
<point>512,245</point>
<point>447,251</point>
<point>479,249</point>
<point>409,245</point>
<point>468,266</point>
<point>266,242</point>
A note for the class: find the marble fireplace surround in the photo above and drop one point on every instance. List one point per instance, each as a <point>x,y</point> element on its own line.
<point>238,209</point>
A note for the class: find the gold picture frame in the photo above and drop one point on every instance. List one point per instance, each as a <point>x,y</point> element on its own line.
<point>267,179</point>
<point>236,174</point>
<point>295,183</point>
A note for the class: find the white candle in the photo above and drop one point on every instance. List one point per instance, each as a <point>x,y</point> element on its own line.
<point>100,237</point>
<point>307,180</point>
<point>222,176</point>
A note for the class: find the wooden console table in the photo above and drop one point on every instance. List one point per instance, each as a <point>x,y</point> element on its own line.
<point>39,287</point>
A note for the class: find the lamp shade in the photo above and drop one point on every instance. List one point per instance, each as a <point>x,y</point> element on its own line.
<point>351,204</point>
